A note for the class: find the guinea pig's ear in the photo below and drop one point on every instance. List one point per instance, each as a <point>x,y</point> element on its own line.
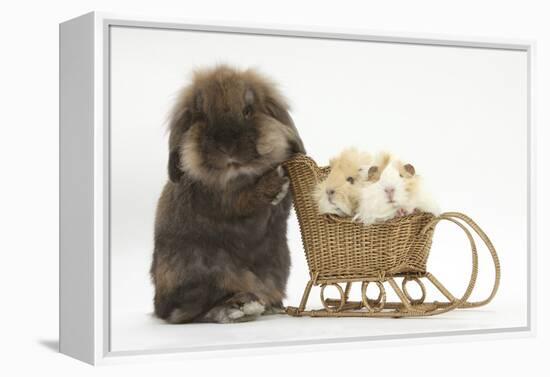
<point>373,174</point>
<point>408,170</point>
<point>278,111</point>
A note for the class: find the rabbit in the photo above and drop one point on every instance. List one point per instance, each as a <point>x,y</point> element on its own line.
<point>220,247</point>
<point>338,192</point>
<point>392,189</point>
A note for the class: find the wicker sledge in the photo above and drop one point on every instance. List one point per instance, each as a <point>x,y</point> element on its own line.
<point>340,251</point>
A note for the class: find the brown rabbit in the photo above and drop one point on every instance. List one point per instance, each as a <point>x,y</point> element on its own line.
<point>221,251</point>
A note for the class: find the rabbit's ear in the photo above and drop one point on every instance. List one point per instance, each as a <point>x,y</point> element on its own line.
<point>179,125</point>
<point>174,170</point>
<point>278,110</point>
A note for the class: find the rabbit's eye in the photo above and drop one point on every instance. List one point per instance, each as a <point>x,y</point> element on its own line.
<point>198,117</point>
<point>247,112</point>
<point>350,180</point>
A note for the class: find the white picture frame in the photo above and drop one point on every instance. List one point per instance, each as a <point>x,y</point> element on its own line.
<point>85,186</point>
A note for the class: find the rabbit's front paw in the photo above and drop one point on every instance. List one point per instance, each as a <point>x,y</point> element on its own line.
<point>284,187</point>
<point>274,186</point>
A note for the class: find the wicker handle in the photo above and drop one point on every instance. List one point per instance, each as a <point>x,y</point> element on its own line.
<point>491,249</point>
<point>455,217</point>
<point>455,303</point>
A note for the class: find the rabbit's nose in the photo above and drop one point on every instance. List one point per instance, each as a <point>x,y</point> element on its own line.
<point>330,192</point>
<point>226,149</point>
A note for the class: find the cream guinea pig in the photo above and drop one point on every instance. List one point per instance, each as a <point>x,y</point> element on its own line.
<point>338,192</point>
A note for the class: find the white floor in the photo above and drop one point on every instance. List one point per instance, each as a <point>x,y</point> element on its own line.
<point>134,328</point>
<point>141,331</point>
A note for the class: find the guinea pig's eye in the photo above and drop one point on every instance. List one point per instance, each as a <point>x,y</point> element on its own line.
<point>350,180</point>
<point>247,111</point>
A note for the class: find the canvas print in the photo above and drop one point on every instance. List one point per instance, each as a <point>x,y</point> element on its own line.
<point>274,190</point>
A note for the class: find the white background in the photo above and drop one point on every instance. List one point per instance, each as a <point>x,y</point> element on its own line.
<point>29,161</point>
<point>458,114</point>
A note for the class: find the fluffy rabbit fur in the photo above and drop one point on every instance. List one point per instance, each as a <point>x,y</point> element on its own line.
<point>221,251</point>
<point>338,193</point>
<point>392,189</point>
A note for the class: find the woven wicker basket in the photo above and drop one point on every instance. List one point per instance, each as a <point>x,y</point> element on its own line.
<point>339,250</point>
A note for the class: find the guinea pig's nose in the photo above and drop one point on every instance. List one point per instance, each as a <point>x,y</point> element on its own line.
<point>330,192</point>
<point>390,191</point>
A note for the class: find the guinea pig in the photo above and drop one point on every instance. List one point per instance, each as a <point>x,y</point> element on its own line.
<point>220,247</point>
<point>338,192</point>
<point>336,195</point>
<point>383,193</point>
<point>419,196</point>
<point>392,189</point>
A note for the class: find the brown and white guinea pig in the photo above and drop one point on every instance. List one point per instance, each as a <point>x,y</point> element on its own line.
<point>420,197</point>
<point>392,189</point>
<point>220,246</point>
<point>338,192</point>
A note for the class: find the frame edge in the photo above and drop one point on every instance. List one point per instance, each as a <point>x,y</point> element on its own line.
<point>76,194</point>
